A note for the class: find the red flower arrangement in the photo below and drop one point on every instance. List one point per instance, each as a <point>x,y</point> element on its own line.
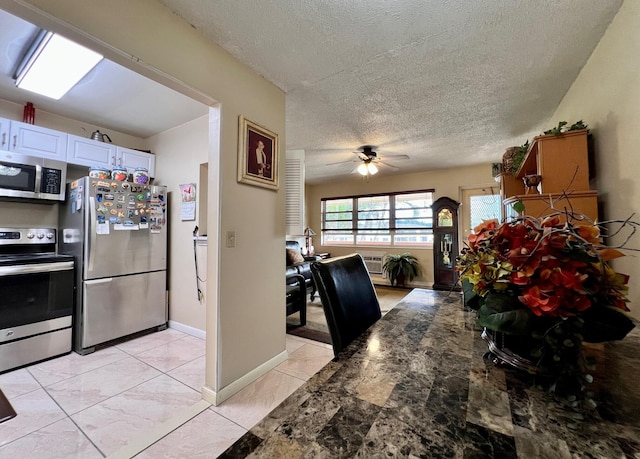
<point>541,288</point>
<point>557,270</point>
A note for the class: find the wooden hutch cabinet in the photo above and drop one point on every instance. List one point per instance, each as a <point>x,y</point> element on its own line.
<point>445,244</point>
<point>562,162</point>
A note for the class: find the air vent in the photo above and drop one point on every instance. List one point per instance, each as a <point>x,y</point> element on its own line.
<point>373,262</point>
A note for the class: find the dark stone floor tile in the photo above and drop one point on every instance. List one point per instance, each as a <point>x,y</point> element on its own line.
<point>242,447</point>
<point>344,434</point>
<point>484,443</point>
<point>390,437</point>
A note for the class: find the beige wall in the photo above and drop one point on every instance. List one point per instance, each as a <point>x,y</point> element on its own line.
<point>13,111</point>
<point>180,152</point>
<point>445,182</point>
<point>245,326</point>
<point>605,95</point>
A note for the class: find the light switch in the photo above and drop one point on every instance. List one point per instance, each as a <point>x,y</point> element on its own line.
<point>231,238</point>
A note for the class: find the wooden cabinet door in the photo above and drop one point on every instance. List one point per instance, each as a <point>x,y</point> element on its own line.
<point>38,141</point>
<point>88,152</point>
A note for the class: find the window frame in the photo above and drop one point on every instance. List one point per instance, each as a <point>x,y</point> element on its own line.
<point>390,233</point>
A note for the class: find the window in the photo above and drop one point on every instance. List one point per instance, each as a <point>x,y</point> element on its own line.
<point>381,220</point>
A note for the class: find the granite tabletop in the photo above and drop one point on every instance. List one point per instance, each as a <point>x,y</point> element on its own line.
<point>419,384</point>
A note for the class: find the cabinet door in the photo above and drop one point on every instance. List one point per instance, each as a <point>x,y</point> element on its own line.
<point>4,133</point>
<point>133,158</point>
<point>89,152</point>
<point>38,141</point>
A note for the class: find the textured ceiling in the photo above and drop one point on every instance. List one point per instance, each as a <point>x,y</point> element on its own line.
<point>444,81</point>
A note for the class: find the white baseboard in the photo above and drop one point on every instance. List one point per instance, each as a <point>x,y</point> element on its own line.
<point>223,394</point>
<point>187,329</point>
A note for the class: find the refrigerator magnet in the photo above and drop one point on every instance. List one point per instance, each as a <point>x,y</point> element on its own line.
<point>102,228</point>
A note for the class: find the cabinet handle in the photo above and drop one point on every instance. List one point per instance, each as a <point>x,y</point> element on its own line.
<point>113,160</point>
<point>15,140</point>
<point>4,138</point>
<point>120,161</point>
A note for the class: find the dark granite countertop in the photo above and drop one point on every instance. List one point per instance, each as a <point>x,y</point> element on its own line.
<point>417,384</point>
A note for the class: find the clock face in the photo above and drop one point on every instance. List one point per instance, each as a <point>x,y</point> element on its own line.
<point>445,218</point>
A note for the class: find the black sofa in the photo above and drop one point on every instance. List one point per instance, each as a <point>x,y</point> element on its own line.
<point>296,297</point>
<point>300,264</point>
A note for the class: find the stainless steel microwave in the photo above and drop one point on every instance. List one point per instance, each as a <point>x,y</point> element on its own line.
<point>31,177</point>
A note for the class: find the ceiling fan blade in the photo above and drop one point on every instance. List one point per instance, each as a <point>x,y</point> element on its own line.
<point>395,157</point>
<point>343,162</point>
<point>382,163</point>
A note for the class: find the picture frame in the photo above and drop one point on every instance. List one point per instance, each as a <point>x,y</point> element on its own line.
<point>257,155</point>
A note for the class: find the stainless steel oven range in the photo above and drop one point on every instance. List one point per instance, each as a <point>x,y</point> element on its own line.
<point>36,297</point>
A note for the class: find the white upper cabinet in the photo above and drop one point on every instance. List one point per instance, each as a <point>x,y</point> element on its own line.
<point>88,152</point>
<point>132,159</point>
<point>37,141</point>
<point>81,151</point>
<point>5,130</point>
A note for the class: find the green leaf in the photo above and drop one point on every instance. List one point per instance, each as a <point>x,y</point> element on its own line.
<point>602,323</point>
<point>518,206</point>
<point>506,314</point>
<point>471,298</point>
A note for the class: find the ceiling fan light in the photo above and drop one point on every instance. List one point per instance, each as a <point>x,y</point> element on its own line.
<point>362,169</point>
<point>372,168</point>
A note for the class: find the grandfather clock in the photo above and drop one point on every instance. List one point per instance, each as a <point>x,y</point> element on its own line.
<point>445,244</point>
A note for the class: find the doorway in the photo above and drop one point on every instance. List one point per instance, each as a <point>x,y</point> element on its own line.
<point>478,204</point>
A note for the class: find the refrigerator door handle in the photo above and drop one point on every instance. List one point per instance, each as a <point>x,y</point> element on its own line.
<point>92,232</point>
<point>99,281</point>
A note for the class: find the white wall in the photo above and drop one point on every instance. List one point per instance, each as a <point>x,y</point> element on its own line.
<point>180,152</point>
<point>605,95</point>
<point>445,182</point>
<point>245,326</point>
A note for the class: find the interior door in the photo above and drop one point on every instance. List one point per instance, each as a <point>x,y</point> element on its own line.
<point>478,204</point>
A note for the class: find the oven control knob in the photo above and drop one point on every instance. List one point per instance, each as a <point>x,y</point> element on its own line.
<point>40,235</point>
<point>30,235</point>
<point>49,235</point>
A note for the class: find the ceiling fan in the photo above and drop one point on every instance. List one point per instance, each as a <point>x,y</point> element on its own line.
<point>370,161</point>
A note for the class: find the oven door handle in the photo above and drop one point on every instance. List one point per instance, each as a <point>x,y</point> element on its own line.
<point>35,268</point>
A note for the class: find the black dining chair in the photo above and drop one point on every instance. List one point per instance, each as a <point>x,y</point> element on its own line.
<point>348,298</point>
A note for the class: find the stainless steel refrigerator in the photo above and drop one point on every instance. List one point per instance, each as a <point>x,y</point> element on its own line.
<point>117,232</point>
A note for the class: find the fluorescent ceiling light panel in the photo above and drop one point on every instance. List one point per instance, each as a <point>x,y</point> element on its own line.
<point>55,66</point>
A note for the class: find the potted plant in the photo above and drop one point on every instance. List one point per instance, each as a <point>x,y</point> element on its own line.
<point>401,268</point>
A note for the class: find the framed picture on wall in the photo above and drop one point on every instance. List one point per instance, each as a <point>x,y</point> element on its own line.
<point>257,155</point>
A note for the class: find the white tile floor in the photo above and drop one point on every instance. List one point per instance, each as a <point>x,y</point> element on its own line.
<point>137,395</point>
